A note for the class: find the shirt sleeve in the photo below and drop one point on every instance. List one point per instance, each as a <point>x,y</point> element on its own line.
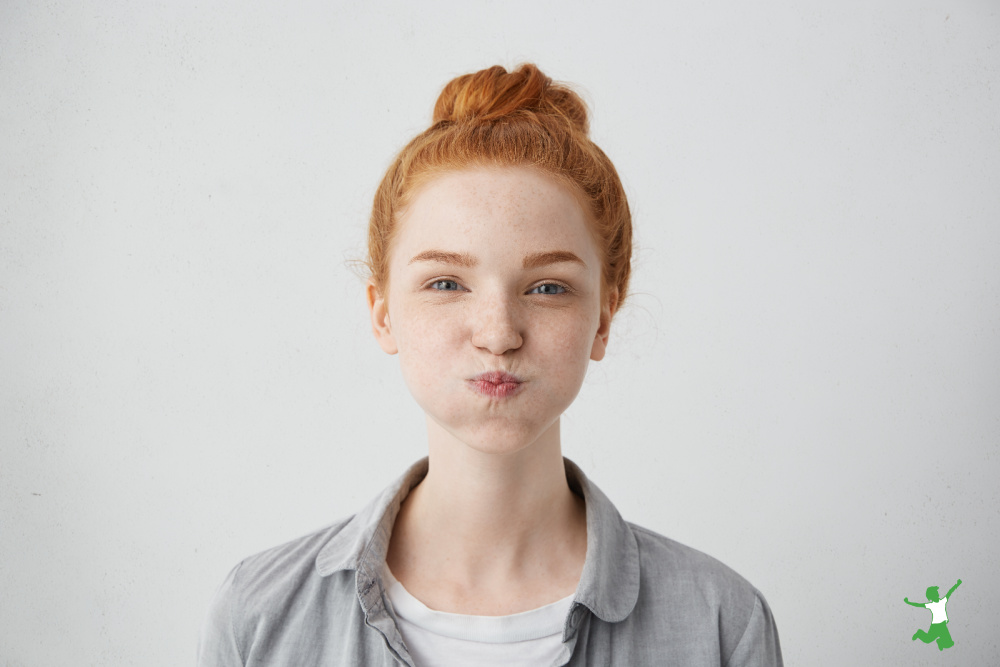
<point>759,645</point>
<point>217,643</point>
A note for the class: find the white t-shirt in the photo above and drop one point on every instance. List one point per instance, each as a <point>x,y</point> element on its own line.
<point>441,639</point>
<point>938,613</point>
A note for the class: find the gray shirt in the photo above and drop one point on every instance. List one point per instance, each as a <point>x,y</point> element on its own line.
<point>643,599</point>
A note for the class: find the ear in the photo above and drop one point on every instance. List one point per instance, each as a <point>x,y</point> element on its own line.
<point>381,326</point>
<point>604,330</point>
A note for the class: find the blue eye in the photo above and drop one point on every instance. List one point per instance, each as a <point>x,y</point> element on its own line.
<point>551,285</point>
<point>434,286</point>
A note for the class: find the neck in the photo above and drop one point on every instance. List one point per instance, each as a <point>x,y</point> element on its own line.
<point>482,521</point>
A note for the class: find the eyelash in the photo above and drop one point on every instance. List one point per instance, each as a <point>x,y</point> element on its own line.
<point>430,286</point>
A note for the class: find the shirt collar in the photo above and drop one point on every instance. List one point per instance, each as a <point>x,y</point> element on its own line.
<point>609,584</point>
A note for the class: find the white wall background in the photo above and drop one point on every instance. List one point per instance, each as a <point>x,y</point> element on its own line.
<point>805,384</point>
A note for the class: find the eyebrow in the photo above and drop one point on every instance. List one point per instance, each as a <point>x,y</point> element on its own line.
<point>532,261</point>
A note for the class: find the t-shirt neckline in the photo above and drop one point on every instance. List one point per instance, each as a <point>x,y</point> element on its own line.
<point>543,621</point>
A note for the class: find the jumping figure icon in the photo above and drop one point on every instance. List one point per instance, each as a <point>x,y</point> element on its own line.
<point>939,618</point>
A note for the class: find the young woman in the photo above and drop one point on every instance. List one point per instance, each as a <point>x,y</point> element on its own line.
<point>499,252</point>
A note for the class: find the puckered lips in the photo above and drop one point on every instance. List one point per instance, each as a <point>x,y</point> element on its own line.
<point>496,384</point>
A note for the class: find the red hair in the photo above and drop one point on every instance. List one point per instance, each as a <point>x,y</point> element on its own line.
<point>495,118</point>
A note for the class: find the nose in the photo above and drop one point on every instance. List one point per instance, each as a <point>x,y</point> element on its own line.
<point>496,325</point>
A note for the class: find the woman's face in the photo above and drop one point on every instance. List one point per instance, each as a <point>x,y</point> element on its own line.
<point>465,298</point>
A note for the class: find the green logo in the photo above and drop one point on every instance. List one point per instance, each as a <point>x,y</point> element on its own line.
<point>939,618</point>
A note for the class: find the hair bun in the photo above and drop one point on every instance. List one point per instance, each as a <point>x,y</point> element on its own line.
<point>494,93</point>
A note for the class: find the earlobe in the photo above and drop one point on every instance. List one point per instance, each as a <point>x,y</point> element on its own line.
<point>604,330</point>
<point>381,326</point>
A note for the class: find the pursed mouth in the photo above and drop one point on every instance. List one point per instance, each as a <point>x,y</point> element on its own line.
<point>495,390</point>
<point>498,378</point>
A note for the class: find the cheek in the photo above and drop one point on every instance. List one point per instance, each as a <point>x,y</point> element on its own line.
<point>573,336</point>
<point>564,350</point>
<point>427,340</point>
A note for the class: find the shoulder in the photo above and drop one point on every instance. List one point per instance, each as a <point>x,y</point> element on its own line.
<point>680,582</point>
<point>668,563</point>
<point>271,575</point>
<point>261,590</point>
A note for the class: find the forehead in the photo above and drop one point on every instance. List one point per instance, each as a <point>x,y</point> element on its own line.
<point>470,206</point>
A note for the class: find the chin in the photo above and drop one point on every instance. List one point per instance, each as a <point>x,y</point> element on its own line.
<point>492,434</point>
